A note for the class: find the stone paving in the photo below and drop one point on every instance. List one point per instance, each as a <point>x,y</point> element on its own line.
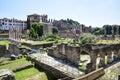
<point>58,64</point>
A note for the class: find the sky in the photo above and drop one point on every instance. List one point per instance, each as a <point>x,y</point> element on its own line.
<point>95,13</point>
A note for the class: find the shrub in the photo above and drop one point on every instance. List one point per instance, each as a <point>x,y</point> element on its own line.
<point>36,30</point>
<point>88,38</point>
<point>52,37</point>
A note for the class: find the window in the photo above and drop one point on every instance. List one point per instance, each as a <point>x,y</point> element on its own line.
<point>3,23</point>
<point>10,21</point>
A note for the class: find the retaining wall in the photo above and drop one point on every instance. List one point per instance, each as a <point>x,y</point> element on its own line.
<point>56,74</point>
<point>38,45</point>
<point>92,75</point>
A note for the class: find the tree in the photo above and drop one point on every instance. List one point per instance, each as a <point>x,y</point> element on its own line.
<point>97,31</point>
<point>88,38</point>
<point>36,30</point>
<point>28,23</point>
<point>54,29</point>
<point>33,33</point>
<point>107,29</point>
<point>111,29</point>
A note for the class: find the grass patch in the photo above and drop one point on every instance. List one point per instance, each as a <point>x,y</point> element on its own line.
<point>65,40</point>
<point>21,69</point>
<point>35,42</point>
<point>23,46</point>
<point>5,42</point>
<point>15,65</point>
<point>109,42</point>
<point>40,76</point>
<point>83,66</point>
<point>27,73</point>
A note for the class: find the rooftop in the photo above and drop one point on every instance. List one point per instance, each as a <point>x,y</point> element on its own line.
<point>36,15</point>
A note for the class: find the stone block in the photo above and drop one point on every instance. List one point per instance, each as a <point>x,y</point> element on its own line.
<point>6,74</point>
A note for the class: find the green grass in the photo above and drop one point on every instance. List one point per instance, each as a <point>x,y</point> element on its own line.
<point>35,42</point>
<point>27,73</point>
<point>13,65</point>
<point>24,73</point>
<point>23,46</point>
<point>66,40</point>
<point>83,66</point>
<point>5,42</point>
<point>109,42</point>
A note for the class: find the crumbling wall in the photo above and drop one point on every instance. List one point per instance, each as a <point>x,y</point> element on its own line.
<point>14,49</point>
<point>66,52</point>
<point>2,50</point>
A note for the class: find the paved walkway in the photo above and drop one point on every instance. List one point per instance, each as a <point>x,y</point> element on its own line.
<point>58,64</point>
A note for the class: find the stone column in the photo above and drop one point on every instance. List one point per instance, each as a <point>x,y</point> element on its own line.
<point>119,54</point>
<point>109,56</point>
<point>102,59</point>
<point>112,30</point>
<point>115,56</point>
<point>92,65</point>
<point>104,31</point>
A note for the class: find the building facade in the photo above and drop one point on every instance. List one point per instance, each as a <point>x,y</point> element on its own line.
<point>85,29</point>
<point>6,23</point>
<point>37,18</point>
<point>41,19</point>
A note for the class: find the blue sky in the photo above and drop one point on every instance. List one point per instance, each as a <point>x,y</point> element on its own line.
<point>89,12</point>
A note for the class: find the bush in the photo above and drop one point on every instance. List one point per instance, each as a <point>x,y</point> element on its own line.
<point>52,37</point>
<point>54,30</point>
<point>36,30</point>
<point>88,38</point>
<point>24,36</point>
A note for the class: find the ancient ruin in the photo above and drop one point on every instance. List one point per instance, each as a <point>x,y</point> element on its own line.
<point>72,54</point>
<point>15,33</point>
<point>6,74</point>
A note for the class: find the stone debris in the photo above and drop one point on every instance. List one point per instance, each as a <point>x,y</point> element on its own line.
<point>6,74</point>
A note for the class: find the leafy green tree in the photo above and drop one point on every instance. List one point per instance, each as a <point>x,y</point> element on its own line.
<point>108,29</point>
<point>88,38</point>
<point>54,29</point>
<point>36,30</point>
<point>111,29</point>
<point>32,32</point>
<point>28,23</point>
<point>97,31</point>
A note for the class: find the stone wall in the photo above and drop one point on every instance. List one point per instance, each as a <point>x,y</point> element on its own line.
<point>72,54</point>
<point>14,49</point>
<point>56,74</point>
<point>67,34</point>
<point>37,46</point>
<point>66,52</point>
<point>112,52</point>
<point>2,50</point>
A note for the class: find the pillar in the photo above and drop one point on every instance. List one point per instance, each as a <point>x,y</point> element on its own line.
<point>92,65</point>
<point>109,56</point>
<point>116,55</point>
<point>119,54</point>
<point>102,59</point>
